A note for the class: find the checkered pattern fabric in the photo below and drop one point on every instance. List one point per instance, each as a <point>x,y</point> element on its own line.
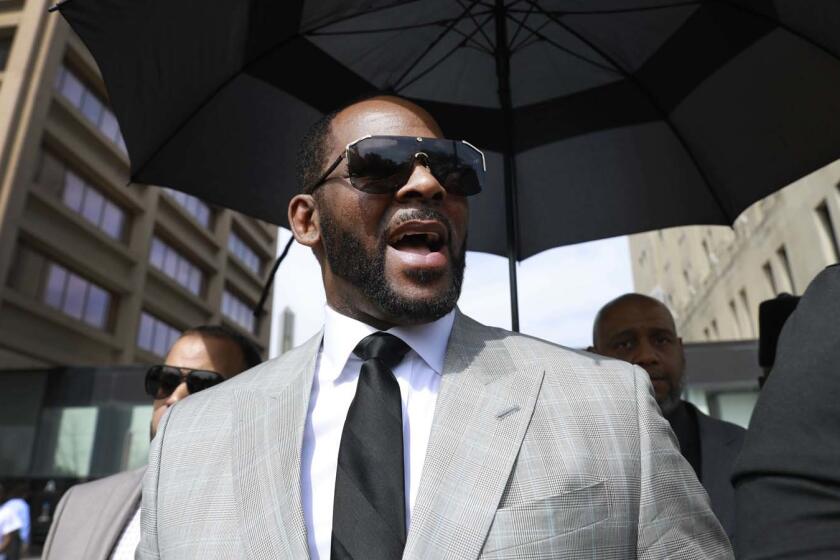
<point>536,451</point>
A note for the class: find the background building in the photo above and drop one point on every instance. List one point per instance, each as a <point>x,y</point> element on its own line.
<point>714,278</point>
<point>93,271</point>
<point>96,277</point>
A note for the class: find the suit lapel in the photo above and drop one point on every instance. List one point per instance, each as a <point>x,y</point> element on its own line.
<point>115,514</point>
<point>267,441</point>
<point>483,411</point>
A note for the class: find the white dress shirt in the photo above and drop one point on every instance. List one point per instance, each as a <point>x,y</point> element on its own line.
<point>333,388</point>
<point>129,539</point>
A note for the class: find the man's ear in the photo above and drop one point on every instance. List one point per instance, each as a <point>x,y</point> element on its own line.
<point>303,219</point>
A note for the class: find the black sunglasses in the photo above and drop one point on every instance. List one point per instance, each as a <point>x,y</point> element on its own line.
<point>383,164</point>
<point>161,381</point>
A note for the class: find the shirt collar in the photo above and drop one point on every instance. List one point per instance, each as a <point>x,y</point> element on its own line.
<point>342,334</point>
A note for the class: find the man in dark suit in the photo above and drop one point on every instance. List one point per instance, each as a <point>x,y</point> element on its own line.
<point>787,479</point>
<point>640,330</point>
<point>100,520</point>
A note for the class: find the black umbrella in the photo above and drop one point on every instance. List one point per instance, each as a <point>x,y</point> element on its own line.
<point>600,117</point>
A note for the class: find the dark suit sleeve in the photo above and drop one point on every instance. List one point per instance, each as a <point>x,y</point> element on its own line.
<point>55,526</point>
<point>787,479</point>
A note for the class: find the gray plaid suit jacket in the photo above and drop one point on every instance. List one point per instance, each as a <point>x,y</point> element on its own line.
<point>536,451</point>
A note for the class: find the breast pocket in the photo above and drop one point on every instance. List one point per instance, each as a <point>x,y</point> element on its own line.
<point>547,518</point>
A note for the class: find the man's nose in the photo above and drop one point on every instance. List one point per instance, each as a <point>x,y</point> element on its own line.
<point>421,184</point>
<point>645,354</point>
<point>179,393</point>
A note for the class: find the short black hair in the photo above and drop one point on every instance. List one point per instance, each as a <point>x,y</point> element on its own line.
<point>250,353</point>
<point>314,146</point>
<point>313,152</point>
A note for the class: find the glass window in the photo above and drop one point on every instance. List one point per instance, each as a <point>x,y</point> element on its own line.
<point>193,206</point>
<point>145,332</point>
<point>121,143</point>
<point>155,335</point>
<point>71,88</point>
<point>244,253</point>
<point>51,173</point>
<point>195,281</point>
<point>157,254</point>
<point>5,49</point>
<point>160,344</point>
<point>90,104</point>
<point>96,307</point>
<point>77,297</point>
<point>83,198</point>
<point>74,191</point>
<point>183,274</point>
<point>92,108</point>
<point>170,263</point>
<point>74,298</point>
<point>54,291</point>
<point>74,444</point>
<point>176,266</point>
<point>109,125</point>
<point>112,220</point>
<point>138,436</point>
<point>237,311</point>
<point>92,208</point>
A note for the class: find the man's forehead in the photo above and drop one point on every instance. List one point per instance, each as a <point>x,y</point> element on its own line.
<point>637,316</point>
<point>382,116</point>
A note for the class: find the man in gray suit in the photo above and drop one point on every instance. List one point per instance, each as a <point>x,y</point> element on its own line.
<point>101,519</point>
<point>640,329</point>
<point>404,428</point>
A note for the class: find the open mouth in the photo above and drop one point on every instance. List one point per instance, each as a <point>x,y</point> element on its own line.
<point>420,243</point>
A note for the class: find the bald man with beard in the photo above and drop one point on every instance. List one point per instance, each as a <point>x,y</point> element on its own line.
<point>641,330</point>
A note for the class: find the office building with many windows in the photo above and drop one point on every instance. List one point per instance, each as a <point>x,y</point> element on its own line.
<point>95,272</point>
<point>84,258</point>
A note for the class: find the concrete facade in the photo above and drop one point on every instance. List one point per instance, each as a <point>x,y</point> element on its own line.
<point>714,278</point>
<point>93,271</point>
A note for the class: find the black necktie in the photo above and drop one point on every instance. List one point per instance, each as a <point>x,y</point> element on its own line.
<point>369,506</point>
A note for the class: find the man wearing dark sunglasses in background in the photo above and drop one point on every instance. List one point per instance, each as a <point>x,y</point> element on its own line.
<point>100,520</point>
<point>404,428</point>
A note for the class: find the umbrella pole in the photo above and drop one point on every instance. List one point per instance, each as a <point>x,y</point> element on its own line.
<point>502,53</point>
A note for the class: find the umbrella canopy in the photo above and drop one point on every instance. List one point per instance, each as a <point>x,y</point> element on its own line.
<point>599,117</point>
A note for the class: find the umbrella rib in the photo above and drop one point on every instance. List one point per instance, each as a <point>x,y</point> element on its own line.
<point>536,33</point>
<point>620,10</point>
<point>378,29</point>
<point>473,44</point>
<point>433,44</point>
<point>535,37</point>
<point>654,104</point>
<point>527,42</point>
<point>441,59</point>
<point>519,29</point>
<point>781,25</point>
<point>480,28</point>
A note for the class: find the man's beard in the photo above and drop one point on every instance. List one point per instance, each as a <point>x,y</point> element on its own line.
<point>349,260</point>
<point>672,400</point>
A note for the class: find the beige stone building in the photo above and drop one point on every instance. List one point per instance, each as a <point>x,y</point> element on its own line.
<point>714,278</point>
<point>93,271</point>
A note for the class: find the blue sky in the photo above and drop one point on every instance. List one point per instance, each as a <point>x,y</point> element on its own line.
<point>559,290</point>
